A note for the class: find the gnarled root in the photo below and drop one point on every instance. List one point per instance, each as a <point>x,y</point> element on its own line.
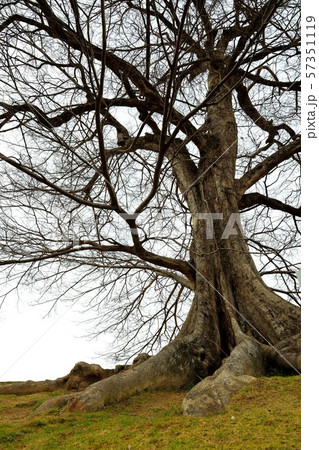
<point>211,396</point>
<point>182,362</point>
<point>57,402</point>
<point>179,363</point>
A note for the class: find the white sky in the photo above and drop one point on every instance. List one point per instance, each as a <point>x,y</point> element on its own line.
<point>36,347</point>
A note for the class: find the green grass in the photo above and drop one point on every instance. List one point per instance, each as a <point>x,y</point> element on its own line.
<point>264,415</point>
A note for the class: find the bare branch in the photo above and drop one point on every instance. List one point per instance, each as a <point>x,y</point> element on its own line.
<point>255,199</point>
<point>269,163</point>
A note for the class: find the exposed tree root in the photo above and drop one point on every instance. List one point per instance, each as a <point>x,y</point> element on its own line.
<point>81,376</point>
<point>179,363</point>
<point>245,363</point>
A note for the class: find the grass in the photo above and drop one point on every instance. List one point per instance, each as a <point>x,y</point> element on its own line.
<point>264,415</point>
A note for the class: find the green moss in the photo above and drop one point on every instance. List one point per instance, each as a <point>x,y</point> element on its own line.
<point>264,415</point>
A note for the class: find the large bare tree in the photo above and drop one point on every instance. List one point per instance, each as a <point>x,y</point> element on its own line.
<point>150,163</point>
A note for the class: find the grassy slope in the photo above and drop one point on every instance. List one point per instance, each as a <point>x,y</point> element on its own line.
<point>265,415</point>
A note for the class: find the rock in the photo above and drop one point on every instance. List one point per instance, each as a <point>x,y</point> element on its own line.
<point>140,358</point>
<point>80,377</point>
<point>120,367</point>
<point>84,374</point>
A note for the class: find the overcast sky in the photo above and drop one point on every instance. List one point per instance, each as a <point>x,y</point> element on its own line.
<point>35,347</point>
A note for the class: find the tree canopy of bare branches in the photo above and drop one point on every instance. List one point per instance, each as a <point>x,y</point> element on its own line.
<point>150,156</point>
